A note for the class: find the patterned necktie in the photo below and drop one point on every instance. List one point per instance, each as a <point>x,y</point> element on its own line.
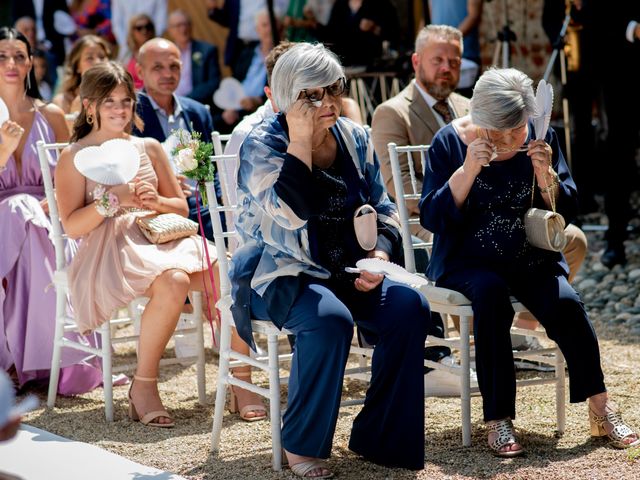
<point>442,108</point>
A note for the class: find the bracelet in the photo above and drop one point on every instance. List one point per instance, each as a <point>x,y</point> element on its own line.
<point>107,203</point>
<point>549,188</point>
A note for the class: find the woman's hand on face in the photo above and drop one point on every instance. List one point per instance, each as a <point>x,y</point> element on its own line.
<point>540,153</point>
<point>11,133</point>
<point>300,118</point>
<point>479,154</point>
<point>367,281</point>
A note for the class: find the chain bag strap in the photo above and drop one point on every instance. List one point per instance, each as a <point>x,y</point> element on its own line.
<point>544,228</point>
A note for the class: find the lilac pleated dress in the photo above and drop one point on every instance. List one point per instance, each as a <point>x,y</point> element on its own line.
<point>27,262</point>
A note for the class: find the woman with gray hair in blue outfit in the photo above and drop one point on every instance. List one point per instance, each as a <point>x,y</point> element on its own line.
<point>302,176</point>
<point>484,171</point>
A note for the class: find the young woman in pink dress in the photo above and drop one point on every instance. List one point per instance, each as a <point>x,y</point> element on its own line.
<point>27,306</point>
<point>115,262</point>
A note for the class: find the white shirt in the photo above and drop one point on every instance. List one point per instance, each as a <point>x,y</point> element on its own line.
<point>431,102</point>
<point>232,147</point>
<point>38,6</point>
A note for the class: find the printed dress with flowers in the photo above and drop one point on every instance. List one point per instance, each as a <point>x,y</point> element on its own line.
<point>115,263</point>
<point>27,300</point>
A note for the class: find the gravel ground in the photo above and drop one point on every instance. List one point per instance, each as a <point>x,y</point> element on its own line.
<point>613,302</point>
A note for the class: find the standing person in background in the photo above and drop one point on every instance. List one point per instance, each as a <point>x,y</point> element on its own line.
<point>464,15</point>
<point>123,10</point>
<point>239,17</point>
<point>43,13</point>
<point>141,29</point>
<point>200,74</point>
<point>611,36</point>
<point>357,29</point>
<point>27,306</point>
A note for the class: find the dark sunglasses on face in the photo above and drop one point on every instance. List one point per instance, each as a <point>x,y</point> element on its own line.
<point>141,28</point>
<point>317,94</point>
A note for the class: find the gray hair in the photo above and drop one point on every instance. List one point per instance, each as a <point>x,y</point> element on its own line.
<point>303,66</point>
<point>438,32</point>
<point>502,99</point>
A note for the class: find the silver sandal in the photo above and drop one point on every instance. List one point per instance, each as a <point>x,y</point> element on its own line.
<point>505,437</point>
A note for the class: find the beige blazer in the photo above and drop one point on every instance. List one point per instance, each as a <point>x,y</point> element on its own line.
<point>406,119</point>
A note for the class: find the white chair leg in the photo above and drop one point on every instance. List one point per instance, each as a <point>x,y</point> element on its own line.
<point>200,370</point>
<point>107,380</point>
<point>560,391</point>
<point>54,376</point>
<point>274,402</point>
<point>465,394</point>
<point>221,387</point>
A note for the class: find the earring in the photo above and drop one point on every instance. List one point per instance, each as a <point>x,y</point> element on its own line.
<point>28,81</point>
<point>90,119</point>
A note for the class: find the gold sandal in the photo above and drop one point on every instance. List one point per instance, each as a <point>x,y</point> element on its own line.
<point>618,433</point>
<point>302,469</point>
<point>505,437</point>
<point>147,418</point>
<point>259,410</point>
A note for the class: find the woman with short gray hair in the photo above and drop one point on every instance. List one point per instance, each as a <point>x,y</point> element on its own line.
<point>304,177</point>
<point>484,171</point>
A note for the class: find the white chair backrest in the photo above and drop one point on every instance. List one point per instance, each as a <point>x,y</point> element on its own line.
<point>224,239</point>
<point>45,150</point>
<point>402,162</point>
<point>219,141</point>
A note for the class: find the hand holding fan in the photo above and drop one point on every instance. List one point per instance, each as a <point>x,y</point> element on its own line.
<point>114,162</point>
<point>390,270</point>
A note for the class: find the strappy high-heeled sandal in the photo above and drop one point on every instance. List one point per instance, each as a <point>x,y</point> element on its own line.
<point>147,418</point>
<point>259,410</point>
<point>618,433</point>
<point>505,437</point>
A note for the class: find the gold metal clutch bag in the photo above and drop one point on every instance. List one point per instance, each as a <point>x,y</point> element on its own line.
<point>545,229</point>
<point>166,227</point>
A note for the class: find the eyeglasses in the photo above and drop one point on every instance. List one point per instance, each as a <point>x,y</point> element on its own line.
<point>317,94</point>
<point>146,27</point>
<point>496,140</point>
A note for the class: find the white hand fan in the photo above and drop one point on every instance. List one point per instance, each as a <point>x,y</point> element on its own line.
<point>544,104</point>
<point>229,94</point>
<point>113,163</point>
<point>390,270</point>
<point>4,112</point>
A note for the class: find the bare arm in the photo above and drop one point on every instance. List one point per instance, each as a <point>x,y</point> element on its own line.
<point>55,117</point>
<point>168,198</point>
<point>474,15</point>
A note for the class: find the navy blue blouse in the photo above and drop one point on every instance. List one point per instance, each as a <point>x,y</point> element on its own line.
<point>489,228</point>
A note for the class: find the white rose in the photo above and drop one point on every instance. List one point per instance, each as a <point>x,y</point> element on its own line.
<point>186,161</point>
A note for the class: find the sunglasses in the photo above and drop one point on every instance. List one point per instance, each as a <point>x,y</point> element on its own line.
<point>317,94</point>
<point>140,28</point>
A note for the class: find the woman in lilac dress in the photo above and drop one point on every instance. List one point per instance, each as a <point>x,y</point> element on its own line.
<point>27,306</point>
